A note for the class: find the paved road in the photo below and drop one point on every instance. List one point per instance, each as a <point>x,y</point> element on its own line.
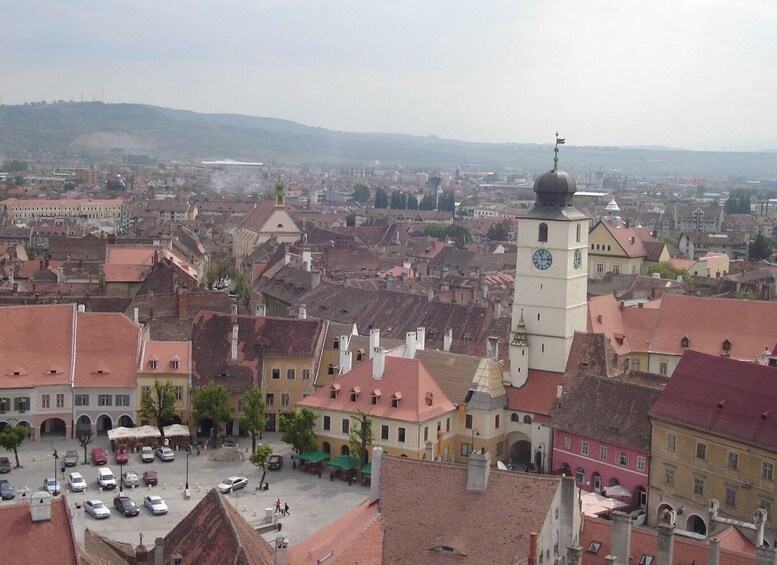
<point>313,502</point>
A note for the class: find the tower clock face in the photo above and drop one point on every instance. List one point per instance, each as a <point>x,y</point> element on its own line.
<point>542,259</point>
<point>578,258</point>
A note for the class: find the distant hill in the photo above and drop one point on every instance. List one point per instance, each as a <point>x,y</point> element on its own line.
<point>163,133</point>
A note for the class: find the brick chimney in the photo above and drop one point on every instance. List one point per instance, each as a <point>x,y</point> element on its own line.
<point>447,340</point>
<point>533,548</point>
<point>378,362</point>
<point>374,341</point>
<point>621,537</point>
<point>478,469</point>
<point>235,329</point>
<point>377,460</point>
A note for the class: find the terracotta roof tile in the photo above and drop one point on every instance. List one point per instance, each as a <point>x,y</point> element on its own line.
<point>110,343</point>
<point>166,352</point>
<point>29,543</point>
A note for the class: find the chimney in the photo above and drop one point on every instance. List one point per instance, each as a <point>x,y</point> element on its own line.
<point>77,517</point>
<point>377,459</point>
<point>40,507</point>
<point>81,308</point>
<point>60,275</point>
<point>714,553</point>
<point>497,311</point>
<point>533,548</point>
<point>135,312</point>
<point>234,309</point>
<point>447,340</point>
<point>568,511</point>
<point>484,290</point>
<point>378,362</point>
<point>410,345</point>
<point>665,544</point>
<point>235,329</point>
<point>429,451</point>
<point>159,551</point>
<point>478,468</point>
<point>559,391</point>
<point>141,553</point>
<point>760,521</point>
<point>679,278</point>
<point>307,260</point>
<point>281,550</point>
<point>656,275</point>
<point>421,341</point>
<point>260,310</point>
<point>492,349</point>
<point>287,258</point>
<point>42,263</point>
<point>610,559</point>
<point>621,537</point>
<point>430,295</point>
<point>303,312</point>
<point>346,361</point>
<point>374,340</point>
<point>765,555</point>
<point>574,555</point>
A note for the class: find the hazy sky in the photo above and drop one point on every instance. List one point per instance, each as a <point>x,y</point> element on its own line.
<point>682,73</point>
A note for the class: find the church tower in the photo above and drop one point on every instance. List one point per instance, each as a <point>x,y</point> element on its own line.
<point>551,277</point>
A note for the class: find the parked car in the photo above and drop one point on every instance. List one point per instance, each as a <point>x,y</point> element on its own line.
<point>232,483</point>
<point>105,478</point>
<point>76,482</point>
<point>146,454</point>
<point>121,455</point>
<point>71,458</point>
<point>150,478</point>
<point>165,454</point>
<point>126,506</point>
<point>5,465</point>
<point>155,504</point>
<point>7,492</point>
<point>98,456</point>
<point>130,479</point>
<point>51,485</point>
<point>97,509</point>
<point>275,463</point>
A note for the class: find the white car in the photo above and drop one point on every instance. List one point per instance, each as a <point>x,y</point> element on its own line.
<point>232,483</point>
<point>76,482</point>
<point>51,485</point>
<point>106,478</point>
<point>155,504</point>
<point>97,509</point>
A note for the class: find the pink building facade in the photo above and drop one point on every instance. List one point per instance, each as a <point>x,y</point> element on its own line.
<point>596,465</point>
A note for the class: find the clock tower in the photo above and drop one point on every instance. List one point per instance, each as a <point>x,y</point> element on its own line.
<point>551,277</point>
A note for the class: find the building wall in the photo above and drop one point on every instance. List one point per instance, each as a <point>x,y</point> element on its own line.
<point>10,415</point>
<point>296,388</point>
<point>568,449</point>
<point>182,407</point>
<point>606,256</point>
<point>751,489</point>
<point>657,362</point>
<point>94,410</point>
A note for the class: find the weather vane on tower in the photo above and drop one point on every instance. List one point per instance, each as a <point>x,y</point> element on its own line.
<point>559,141</point>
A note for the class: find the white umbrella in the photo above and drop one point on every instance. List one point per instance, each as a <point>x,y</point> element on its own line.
<point>121,433</point>
<point>147,431</point>
<point>617,490</point>
<point>176,430</point>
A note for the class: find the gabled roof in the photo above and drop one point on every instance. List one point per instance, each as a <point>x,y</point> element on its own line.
<point>537,396</point>
<point>626,238</point>
<point>404,378</point>
<point>458,374</point>
<point>739,403</point>
<point>165,352</point>
<point>107,350</point>
<point>29,543</point>
<point>214,533</point>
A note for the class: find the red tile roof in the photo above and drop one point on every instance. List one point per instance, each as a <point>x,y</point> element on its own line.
<point>110,343</point>
<point>406,378</point>
<point>627,238</point>
<point>29,543</point>
<point>164,353</point>
<point>740,401</point>
<point>538,395</point>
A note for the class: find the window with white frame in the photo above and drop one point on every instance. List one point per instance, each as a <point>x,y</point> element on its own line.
<point>81,399</point>
<point>767,471</point>
<point>122,400</point>
<point>640,463</point>
<point>104,400</point>
<point>285,399</point>
<point>584,448</point>
<point>45,401</point>
<point>603,453</point>
<point>60,400</point>
<point>733,460</point>
<point>671,442</point>
<point>623,458</point>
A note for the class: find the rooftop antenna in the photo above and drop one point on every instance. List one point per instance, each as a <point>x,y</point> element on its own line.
<point>559,141</point>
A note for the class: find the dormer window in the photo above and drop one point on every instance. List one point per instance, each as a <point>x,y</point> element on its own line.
<point>375,396</point>
<point>334,391</point>
<point>727,346</point>
<point>175,364</point>
<point>685,342</point>
<point>336,343</point>
<point>152,364</point>
<point>360,355</point>
<point>395,398</point>
<point>355,393</point>
<point>101,371</point>
<point>429,398</point>
<point>447,550</point>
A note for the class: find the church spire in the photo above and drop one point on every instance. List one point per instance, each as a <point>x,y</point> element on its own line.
<point>519,335</point>
<point>559,141</point>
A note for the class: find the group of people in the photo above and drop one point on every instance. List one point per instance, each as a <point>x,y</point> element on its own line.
<point>283,510</point>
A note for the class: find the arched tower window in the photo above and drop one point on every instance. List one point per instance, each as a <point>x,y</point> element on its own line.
<point>543,235</point>
<point>578,233</point>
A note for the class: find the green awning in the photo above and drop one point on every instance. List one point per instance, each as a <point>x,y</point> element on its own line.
<point>367,469</point>
<point>313,456</point>
<point>344,462</point>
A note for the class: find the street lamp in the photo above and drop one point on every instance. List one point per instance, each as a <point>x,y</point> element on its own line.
<point>56,457</point>
<point>474,433</point>
<point>188,452</point>
<point>121,479</point>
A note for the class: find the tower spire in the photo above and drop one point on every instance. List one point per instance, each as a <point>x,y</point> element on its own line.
<point>559,141</point>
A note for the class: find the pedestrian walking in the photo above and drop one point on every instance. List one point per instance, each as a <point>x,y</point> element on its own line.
<point>277,505</point>
<point>286,509</point>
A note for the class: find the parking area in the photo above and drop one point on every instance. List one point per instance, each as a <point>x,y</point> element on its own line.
<point>313,502</point>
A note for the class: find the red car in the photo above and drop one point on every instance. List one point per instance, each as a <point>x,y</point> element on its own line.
<point>150,478</point>
<point>121,455</point>
<point>98,456</point>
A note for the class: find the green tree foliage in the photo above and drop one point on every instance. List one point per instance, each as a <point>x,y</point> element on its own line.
<point>298,429</point>
<point>19,180</point>
<point>447,201</point>
<point>667,271</point>
<point>115,184</point>
<point>217,273</point>
<point>360,437</point>
<point>361,192</point>
<point>253,419</point>
<point>381,198</point>
<point>746,294</point>
<point>427,202</point>
<point>243,291</point>
<point>738,202</point>
<point>760,248</point>
<point>499,231</point>
<point>11,437</point>
<point>261,457</point>
<point>212,401</point>
<point>158,404</point>
<point>14,166</point>
<point>459,234</point>
<point>398,200</point>
<point>672,240</point>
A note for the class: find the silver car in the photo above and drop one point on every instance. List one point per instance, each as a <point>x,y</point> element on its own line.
<point>97,509</point>
<point>146,454</point>
<point>155,504</point>
<point>165,454</point>
<point>51,486</point>
<point>130,479</point>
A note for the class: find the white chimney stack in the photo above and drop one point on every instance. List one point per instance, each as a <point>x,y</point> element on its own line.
<point>421,342</point>
<point>281,550</point>
<point>303,312</point>
<point>135,314</point>
<point>79,522</point>
<point>81,308</point>
<point>492,349</point>
<point>374,340</point>
<point>40,507</point>
<point>260,310</point>
<point>234,309</point>
<point>346,362</point>
<point>447,340</point>
<point>410,344</point>
<point>235,329</point>
<point>378,362</point>
<point>377,460</point>
<point>307,260</point>
<point>559,391</point>
<point>478,469</point>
